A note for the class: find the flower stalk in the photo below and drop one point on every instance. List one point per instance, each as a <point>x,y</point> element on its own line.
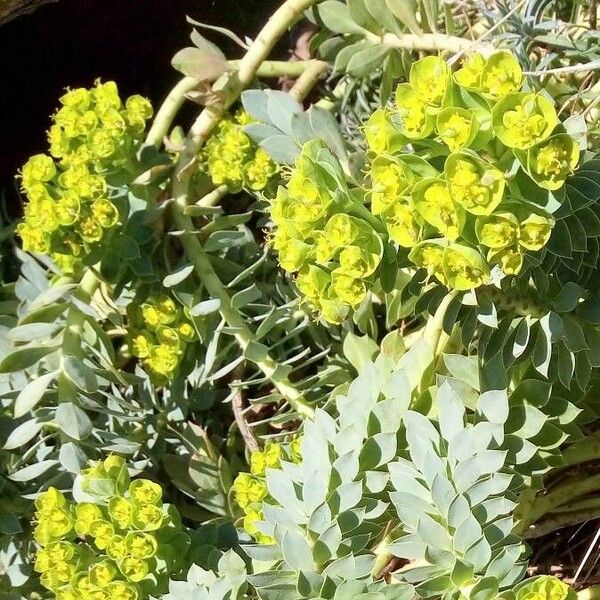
<point>230,88</point>
<point>270,68</point>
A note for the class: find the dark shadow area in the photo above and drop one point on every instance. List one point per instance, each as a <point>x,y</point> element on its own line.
<point>72,42</point>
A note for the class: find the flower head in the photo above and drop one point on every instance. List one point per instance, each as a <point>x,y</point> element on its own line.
<point>545,587</point>
<point>380,134</point>
<point>433,201</point>
<point>464,267</point>
<point>522,120</point>
<point>502,75</point>
<point>269,458</point>
<point>430,80</point>
<point>498,230</point>
<point>457,127</point>
<point>413,119</point>
<point>89,141</point>
<point>550,162</point>
<point>476,186</point>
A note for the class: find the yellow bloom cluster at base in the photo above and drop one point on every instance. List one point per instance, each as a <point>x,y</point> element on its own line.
<point>159,332</point>
<point>120,549</point>
<point>250,489</point>
<point>231,158</point>
<point>70,207</point>
<point>545,587</point>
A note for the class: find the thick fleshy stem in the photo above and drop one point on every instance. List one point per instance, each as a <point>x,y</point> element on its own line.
<point>232,86</point>
<point>583,450</point>
<point>72,335</point>
<point>242,333</point>
<point>532,507</point>
<point>434,333</point>
<point>425,41</point>
<point>271,68</point>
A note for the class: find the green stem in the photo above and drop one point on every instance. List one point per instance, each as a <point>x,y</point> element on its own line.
<point>424,41</point>
<point>521,304</point>
<point>533,508</point>
<point>229,89</point>
<point>75,318</point>
<point>173,102</point>
<point>207,201</point>
<point>166,113</point>
<point>583,451</point>
<point>560,520</point>
<point>449,19</point>
<point>242,333</point>
<point>308,79</point>
<point>434,333</point>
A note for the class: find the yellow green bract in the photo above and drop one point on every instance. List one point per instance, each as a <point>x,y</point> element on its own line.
<point>231,158</point>
<point>159,332</point>
<point>545,587</point>
<point>70,208</point>
<point>104,550</point>
<point>334,253</point>
<point>446,184</point>
<point>250,489</point>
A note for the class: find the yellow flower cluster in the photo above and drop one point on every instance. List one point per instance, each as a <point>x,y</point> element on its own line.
<point>250,489</point>
<point>545,587</point>
<point>70,208</point>
<point>333,252</point>
<point>448,174</point>
<point>159,332</point>
<point>432,207</point>
<point>105,551</point>
<point>231,158</point>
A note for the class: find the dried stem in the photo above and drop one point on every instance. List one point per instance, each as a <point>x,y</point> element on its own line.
<point>237,404</point>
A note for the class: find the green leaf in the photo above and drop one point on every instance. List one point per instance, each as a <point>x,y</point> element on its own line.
<point>405,11</point>
<point>179,275</point>
<point>245,297</point>
<point>23,433</point>
<point>361,15</point>
<point>378,450</point>
<point>208,491</point>
<point>32,393</point>
<point>464,368</point>
<point>493,404</point>
<point>33,471</point>
<point>206,307</point>
<point>568,298</point>
<point>80,374</point>
<point>25,358</point>
<point>337,18</point>
<point>32,332</point>
<point>73,420</point>
<point>366,61</point>
<point>393,346</point>
<point>359,350</point>
<point>281,148</point>
<point>9,525</point>
<point>297,552</point>
<point>382,14</point>
<point>201,64</point>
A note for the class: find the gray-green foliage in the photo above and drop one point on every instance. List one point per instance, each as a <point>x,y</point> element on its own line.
<point>201,584</point>
<point>379,479</point>
<point>454,497</point>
